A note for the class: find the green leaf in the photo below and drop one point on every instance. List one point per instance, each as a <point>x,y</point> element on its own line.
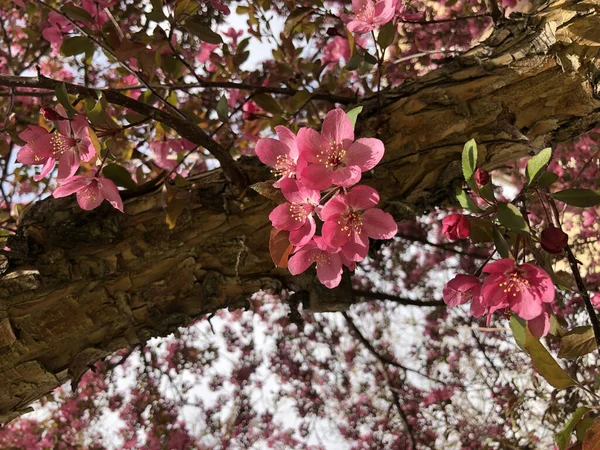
<point>582,427</point>
<point>582,198</point>
<point>577,342</point>
<point>119,175</point>
<point>76,13</point>
<point>466,201</point>
<point>295,18</point>
<point>542,360</point>
<point>63,98</point>
<point>481,230</point>
<point>370,59</point>
<point>202,32</point>
<point>354,62</point>
<point>510,216</point>
<point>268,103</point>
<point>98,115</point>
<point>500,243</point>
<point>537,164</point>
<point>223,109</point>
<point>299,100</point>
<point>469,161</point>
<point>157,14</point>
<point>386,36</point>
<point>564,437</point>
<point>76,45</point>
<point>353,115</point>
<point>546,179</point>
<point>266,189</point>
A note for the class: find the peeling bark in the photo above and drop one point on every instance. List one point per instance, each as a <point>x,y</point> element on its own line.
<point>89,283</point>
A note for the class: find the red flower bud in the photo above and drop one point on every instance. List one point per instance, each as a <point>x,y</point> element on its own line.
<point>456,226</point>
<point>554,240</point>
<point>50,113</point>
<point>482,177</point>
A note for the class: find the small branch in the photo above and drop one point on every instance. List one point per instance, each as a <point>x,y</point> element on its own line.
<point>400,300</point>
<point>448,20</point>
<point>440,246</point>
<point>183,126</point>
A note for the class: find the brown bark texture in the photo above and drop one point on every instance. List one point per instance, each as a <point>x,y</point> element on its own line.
<point>86,284</point>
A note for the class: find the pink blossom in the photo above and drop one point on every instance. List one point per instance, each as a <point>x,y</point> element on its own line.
<point>554,240</point>
<point>540,325</point>
<point>234,35</point>
<point>327,259</point>
<point>461,289</point>
<point>91,191</point>
<point>96,10</point>
<point>250,109</point>
<point>282,155</point>
<point>369,16</point>
<point>206,50</point>
<point>523,289</point>
<point>163,151</point>
<point>456,226</point>
<point>336,49</point>
<point>351,219</point>
<point>34,153</point>
<point>297,215</point>
<point>335,157</point>
<point>58,26</point>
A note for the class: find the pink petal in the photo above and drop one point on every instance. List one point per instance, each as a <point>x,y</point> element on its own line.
<point>288,138</point>
<point>337,127</point>
<point>505,265</point>
<point>329,269</point>
<point>304,234</point>
<point>295,191</point>
<point>68,163</point>
<point>478,307</point>
<point>540,281</point>
<point>365,153</point>
<point>360,27</point>
<point>362,197</point>
<point>334,208</point>
<point>302,260</point>
<point>28,156</point>
<point>71,186</point>
<point>379,224</point>
<point>334,235</point>
<point>79,126</point>
<point>282,218</point>
<point>525,305</point>
<point>64,126</point>
<point>268,150</point>
<point>316,176</point>
<point>45,169</point>
<point>110,192</point>
<point>491,291</point>
<point>89,197</point>
<point>540,326</point>
<point>357,248</point>
<point>33,132</point>
<point>310,144</point>
<point>346,176</point>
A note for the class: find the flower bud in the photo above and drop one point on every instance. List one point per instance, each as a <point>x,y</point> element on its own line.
<point>456,226</point>
<point>554,240</point>
<point>50,113</point>
<point>482,177</point>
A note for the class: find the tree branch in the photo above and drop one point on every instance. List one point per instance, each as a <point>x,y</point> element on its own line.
<point>400,300</point>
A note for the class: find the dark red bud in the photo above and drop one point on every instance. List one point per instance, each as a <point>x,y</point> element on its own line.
<point>482,177</point>
<point>50,113</point>
<point>456,226</point>
<point>554,240</point>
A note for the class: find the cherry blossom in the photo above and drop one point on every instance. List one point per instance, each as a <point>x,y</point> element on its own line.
<point>91,191</point>
<point>328,261</point>
<point>58,26</point>
<point>522,288</point>
<point>369,15</point>
<point>296,215</point>
<point>37,150</point>
<point>163,151</point>
<point>282,155</point>
<point>351,219</point>
<point>335,157</point>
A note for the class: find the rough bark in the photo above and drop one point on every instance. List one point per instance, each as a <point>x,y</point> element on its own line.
<point>89,283</point>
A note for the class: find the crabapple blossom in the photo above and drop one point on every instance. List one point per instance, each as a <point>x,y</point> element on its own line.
<point>369,15</point>
<point>351,219</point>
<point>33,154</point>
<point>461,289</point>
<point>522,288</point>
<point>554,240</point>
<point>91,191</point>
<point>334,155</point>
<point>456,226</point>
<point>282,155</point>
<point>482,177</point>
<point>328,261</point>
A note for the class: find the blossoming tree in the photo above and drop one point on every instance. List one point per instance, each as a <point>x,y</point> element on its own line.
<point>307,221</point>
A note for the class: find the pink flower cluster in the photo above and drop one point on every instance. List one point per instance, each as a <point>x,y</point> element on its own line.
<point>70,144</point>
<point>321,167</point>
<point>526,289</point>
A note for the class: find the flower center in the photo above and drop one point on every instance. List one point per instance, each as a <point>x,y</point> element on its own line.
<point>515,284</point>
<point>299,211</point>
<point>334,156</point>
<point>284,167</point>
<point>322,258</point>
<point>61,144</point>
<point>350,222</point>
<point>89,192</point>
<point>365,13</point>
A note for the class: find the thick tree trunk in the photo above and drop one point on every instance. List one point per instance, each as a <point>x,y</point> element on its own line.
<point>89,283</point>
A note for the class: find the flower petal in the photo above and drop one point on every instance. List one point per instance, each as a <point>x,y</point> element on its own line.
<point>316,176</point>
<point>110,192</point>
<point>288,138</point>
<point>329,269</point>
<point>337,127</point>
<point>357,248</point>
<point>89,197</point>
<point>362,197</point>
<point>334,235</point>
<point>346,176</point>
<point>365,153</point>
<point>268,150</point>
<point>379,224</point>
<point>302,260</point>
<point>505,265</point>
<point>310,144</point>
<point>304,234</point>
<point>334,208</point>
<point>71,186</point>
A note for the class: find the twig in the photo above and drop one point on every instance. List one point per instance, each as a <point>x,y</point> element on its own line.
<point>400,300</point>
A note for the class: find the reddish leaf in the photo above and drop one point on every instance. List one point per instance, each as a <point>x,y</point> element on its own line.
<point>280,247</point>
